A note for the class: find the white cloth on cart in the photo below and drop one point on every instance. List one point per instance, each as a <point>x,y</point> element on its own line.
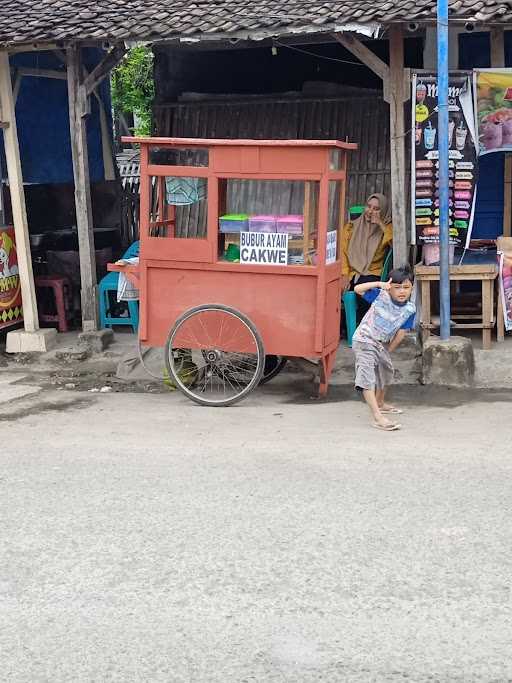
<point>126,290</point>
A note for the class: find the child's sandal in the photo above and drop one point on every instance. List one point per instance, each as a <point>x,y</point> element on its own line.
<point>393,427</point>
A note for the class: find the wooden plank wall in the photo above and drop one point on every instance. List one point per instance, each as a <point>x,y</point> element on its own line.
<point>364,120</point>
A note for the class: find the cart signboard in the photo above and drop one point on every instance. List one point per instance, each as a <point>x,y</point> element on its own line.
<point>331,247</point>
<point>264,248</point>
<point>11,310</point>
<point>425,158</point>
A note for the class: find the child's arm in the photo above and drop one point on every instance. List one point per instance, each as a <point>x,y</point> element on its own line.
<point>366,286</point>
<point>397,340</point>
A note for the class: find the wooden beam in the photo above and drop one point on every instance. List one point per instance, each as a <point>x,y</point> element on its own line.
<point>19,211</point>
<point>42,73</point>
<point>397,97</point>
<point>497,47</point>
<point>101,70</point>
<point>363,53</point>
<point>106,138</point>
<point>16,88</point>
<point>84,221</point>
<point>106,141</point>
<point>61,55</point>
<point>32,47</point>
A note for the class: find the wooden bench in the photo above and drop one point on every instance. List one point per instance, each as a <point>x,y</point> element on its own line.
<point>486,273</point>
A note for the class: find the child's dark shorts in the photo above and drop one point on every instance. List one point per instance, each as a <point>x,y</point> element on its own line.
<point>374,368</point>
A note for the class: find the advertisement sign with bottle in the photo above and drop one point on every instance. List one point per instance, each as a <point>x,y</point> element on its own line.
<point>425,159</point>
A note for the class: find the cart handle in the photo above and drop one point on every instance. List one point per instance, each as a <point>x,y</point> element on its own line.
<point>132,272</point>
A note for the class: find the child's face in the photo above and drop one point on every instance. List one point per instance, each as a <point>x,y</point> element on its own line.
<point>401,292</point>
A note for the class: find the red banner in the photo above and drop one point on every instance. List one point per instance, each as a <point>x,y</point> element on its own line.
<point>11,309</point>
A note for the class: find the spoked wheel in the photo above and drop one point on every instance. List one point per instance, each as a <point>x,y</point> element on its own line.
<point>215,355</point>
<point>273,366</point>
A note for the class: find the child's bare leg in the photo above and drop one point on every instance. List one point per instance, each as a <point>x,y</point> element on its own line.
<point>381,400</point>
<point>370,396</point>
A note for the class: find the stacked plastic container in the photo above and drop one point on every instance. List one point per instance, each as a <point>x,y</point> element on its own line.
<point>292,225</point>
<point>234,222</point>
<point>262,223</point>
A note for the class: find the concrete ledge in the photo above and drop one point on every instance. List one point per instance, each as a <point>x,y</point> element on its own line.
<point>448,363</point>
<point>20,341</point>
<point>96,341</point>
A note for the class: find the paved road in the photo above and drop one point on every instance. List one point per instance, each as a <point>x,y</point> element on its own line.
<point>147,539</point>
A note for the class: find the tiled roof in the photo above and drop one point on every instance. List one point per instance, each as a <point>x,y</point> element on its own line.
<point>62,20</point>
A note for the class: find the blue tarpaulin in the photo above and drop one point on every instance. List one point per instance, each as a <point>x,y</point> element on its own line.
<point>42,115</point>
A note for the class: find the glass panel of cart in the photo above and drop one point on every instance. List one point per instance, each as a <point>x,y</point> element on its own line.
<point>268,222</point>
<point>178,207</point>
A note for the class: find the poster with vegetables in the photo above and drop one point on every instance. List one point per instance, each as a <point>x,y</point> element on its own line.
<point>425,158</point>
<point>494,109</point>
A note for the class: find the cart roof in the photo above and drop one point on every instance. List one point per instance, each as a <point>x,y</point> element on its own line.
<point>207,142</point>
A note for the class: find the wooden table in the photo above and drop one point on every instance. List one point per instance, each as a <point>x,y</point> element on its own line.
<point>486,273</point>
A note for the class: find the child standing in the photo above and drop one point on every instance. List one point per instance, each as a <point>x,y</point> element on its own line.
<point>381,331</point>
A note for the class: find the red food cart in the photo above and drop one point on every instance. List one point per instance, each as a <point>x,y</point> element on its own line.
<point>223,281</point>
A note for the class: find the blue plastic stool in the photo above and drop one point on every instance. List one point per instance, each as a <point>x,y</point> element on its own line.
<point>350,306</point>
<point>109,284</point>
<point>350,301</point>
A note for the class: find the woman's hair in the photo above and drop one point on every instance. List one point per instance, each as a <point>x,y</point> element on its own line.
<point>401,274</point>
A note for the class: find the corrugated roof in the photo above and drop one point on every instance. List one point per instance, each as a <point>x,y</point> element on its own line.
<point>24,21</point>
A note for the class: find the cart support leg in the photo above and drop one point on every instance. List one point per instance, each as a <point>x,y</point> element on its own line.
<point>326,366</point>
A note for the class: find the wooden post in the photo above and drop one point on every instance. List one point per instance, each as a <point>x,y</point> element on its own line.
<point>307,220</point>
<point>396,82</point>
<point>19,212</point>
<point>497,48</point>
<point>396,94</point>
<point>77,97</point>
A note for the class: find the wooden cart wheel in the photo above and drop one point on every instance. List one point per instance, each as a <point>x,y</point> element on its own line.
<point>215,355</point>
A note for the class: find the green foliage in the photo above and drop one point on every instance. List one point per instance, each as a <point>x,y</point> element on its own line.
<point>133,88</point>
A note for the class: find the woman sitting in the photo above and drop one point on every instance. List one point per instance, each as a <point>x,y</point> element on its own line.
<point>364,244</point>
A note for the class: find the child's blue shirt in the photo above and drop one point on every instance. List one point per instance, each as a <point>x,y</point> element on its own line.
<point>384,318</point>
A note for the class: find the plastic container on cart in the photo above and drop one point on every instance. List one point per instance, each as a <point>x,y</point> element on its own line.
<point>234,222</point>
<point>262,223</point>
<point>293,225</point>
<point>233,252</point>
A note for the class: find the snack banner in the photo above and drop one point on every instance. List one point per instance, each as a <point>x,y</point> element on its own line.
<point>11,310</point>
<point>425,158</point>
<point>504,245</point>
<point>494,109</point>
